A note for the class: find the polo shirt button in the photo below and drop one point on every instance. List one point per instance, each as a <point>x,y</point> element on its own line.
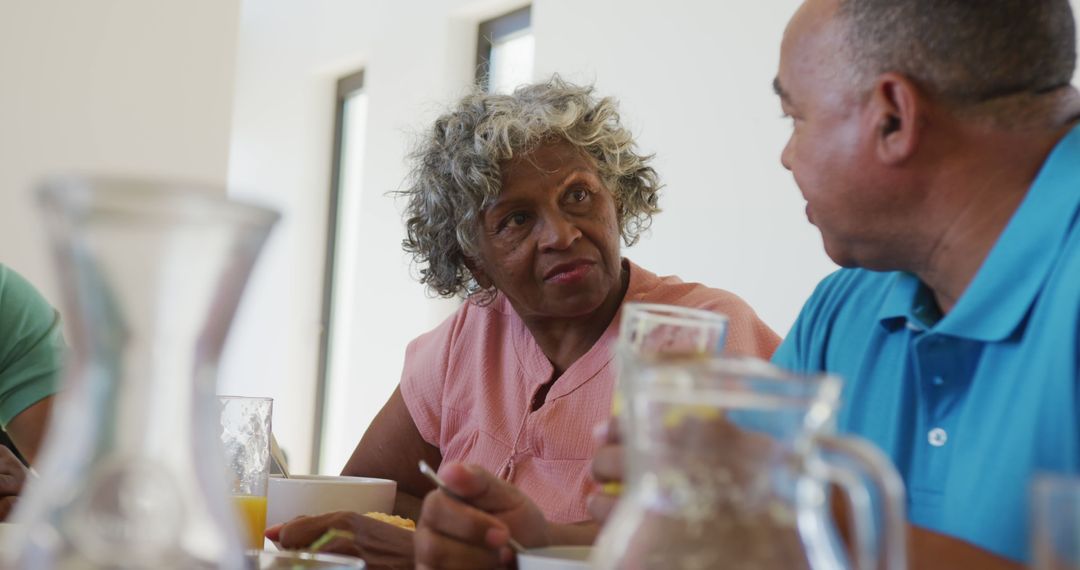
<point>937,437</point>
<point>938,380</point>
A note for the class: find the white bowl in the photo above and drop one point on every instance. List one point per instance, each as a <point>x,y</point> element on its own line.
<point>555,558</point>
<point>317,494</point>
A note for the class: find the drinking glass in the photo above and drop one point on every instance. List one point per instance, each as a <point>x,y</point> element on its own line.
<point>647,330</point>
<point>245,435</point>
<point>651,329</point>
<point>1056,522</point>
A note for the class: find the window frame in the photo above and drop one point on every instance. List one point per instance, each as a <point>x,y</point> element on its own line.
<point>491,32</point>
<point>346,87</point>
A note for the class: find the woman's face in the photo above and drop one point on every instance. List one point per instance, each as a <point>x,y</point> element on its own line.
<point>550,241</point>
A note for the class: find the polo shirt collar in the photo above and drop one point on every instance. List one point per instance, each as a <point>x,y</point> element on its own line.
<point>900,301</point>
<point>997,301</point>
<point>999,297</point>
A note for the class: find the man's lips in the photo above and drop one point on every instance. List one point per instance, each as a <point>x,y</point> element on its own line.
<point>565,272</point>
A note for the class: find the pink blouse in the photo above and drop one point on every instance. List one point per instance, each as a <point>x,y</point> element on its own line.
<point>469,384</point>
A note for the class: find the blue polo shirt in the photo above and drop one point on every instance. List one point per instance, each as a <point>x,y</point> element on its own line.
<point>969,405</point>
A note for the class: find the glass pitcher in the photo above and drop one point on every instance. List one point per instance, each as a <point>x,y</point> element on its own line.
<point>727,468</point>
<point>132,474</point>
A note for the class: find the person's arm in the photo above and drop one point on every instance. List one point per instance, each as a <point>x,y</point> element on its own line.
<point>12,479</point>
<point>933,551</point>
<point>391,449</point>
<point>32,352</point>
<point>27,428</point>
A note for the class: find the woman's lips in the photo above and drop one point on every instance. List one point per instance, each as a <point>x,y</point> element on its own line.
<point>569,273</point>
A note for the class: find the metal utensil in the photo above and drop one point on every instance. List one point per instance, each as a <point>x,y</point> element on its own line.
<point>278,457</point>
<point>430,474</point>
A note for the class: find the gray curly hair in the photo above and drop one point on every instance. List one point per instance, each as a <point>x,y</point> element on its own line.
<point>456,170</point>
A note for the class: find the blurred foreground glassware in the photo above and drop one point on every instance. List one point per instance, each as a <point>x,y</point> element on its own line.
<point>725,469</point>
<point>1055,537</point>
<point>131,475</point>
<point>245,434</point>
<point>648,330</point>
<point>652,329</point>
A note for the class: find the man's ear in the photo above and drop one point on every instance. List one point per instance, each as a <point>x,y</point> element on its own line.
<point>478,273</point>
<point>896,108</point>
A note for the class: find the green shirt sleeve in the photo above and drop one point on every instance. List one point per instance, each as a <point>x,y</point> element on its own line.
<point>31,346</point>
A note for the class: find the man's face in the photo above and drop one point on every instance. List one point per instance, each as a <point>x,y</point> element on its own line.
<point>831,148</point>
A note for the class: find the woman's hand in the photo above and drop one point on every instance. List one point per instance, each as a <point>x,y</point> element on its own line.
<point>476,534</point>
<point>12,479</point>
<point>381,545</point>
<point>607,470</point>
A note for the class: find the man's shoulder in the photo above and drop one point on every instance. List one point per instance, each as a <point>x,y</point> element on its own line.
<point>848,300</point>
<point>840,313</point>
<point>21,304</point>
<point>851,287</point>
<point>14,286</point>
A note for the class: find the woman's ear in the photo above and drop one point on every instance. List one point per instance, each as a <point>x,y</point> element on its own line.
<point>478,273</point>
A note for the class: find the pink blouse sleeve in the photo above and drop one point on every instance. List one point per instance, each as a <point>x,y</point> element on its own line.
<point>424,375</point>
<point>748,335</point>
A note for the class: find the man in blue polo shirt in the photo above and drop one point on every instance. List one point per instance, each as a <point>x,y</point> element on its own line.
<point>937,147</point>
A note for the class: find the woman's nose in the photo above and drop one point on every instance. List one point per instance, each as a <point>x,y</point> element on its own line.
<point>558,233</point>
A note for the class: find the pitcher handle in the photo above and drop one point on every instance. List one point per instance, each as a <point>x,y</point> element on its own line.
<point>874,466</point>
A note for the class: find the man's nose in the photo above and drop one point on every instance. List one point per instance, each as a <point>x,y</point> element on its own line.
<point>785,155</point>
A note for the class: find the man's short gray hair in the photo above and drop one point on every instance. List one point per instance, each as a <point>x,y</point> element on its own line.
<point>456,170</point>
<point>964,52</point>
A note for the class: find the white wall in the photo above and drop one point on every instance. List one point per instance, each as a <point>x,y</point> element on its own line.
<point>694,79</point>
<point>110,86</point>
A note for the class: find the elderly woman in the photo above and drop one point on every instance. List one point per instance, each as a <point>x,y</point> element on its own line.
<point>519,203</point>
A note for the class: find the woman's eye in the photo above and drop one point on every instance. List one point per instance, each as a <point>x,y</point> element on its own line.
<point>577,194</point>
<point>515,219</point>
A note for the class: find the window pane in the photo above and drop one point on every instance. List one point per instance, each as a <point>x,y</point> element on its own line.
<point>511,62</point>
<point>341,431</point>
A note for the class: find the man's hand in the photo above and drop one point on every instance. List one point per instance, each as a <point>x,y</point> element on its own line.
<point>607,470</point>
<point>381,545</point>
<point>476,534</point>
<point>12,479</point>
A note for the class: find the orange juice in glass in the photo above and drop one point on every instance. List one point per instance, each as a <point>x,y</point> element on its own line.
<point>245,435</point>
<point>252,512</point>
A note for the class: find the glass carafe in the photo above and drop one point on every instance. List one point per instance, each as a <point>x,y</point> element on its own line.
<point>132,474</point>
<point>729,466</point>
